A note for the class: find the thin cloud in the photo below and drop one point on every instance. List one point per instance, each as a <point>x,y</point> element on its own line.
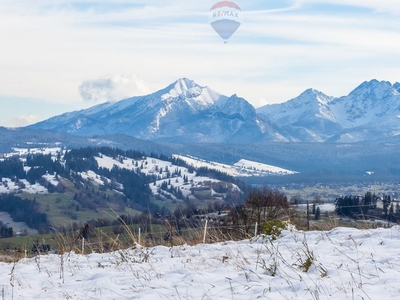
<point>21,121</point>
<point>53,47</point>
<point>113,88</point>
<point>387,6</point>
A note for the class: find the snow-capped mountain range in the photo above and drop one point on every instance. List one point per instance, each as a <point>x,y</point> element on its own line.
<point>185,112</point>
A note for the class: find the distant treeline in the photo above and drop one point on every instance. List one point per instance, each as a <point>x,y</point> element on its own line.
<point>5,231</point>
<point>136,192</point>
<point>365,207</point>
<point>356,205</point>
<point>24,210</point>
<point>39,164</point>
<point>327,177</point>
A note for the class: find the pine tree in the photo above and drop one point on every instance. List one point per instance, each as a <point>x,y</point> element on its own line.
<point>391,211</point>
<point>317,214</point>
<point>386,202</point>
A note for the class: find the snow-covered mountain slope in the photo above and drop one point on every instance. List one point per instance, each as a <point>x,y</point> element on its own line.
<point>367,103</point>
<point>9,186</point>
<point>173,176</point>
<point>369,112</point>
<point>13,185</point>
<point>243,168</point>
<point>182,112</point>
<point>162,170</point>
<point>185,112</point>
<point>307,117</point>
<point>310,103</point>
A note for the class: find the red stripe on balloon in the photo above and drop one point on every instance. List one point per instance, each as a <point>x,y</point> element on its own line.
<point>225,4</point>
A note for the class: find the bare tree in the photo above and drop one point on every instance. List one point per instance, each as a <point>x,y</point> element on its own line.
<point>262,205</point>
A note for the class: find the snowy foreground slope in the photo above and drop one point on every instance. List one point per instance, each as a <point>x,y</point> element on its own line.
<point>345,264</point>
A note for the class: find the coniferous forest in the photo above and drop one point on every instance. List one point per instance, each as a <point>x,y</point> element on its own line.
<point>131,187</point>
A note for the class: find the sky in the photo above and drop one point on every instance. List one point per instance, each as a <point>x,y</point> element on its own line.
<point>65,55</point>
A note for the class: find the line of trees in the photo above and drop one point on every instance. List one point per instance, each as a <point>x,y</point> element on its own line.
<point>352,206</point>
<point>361,206</point>
<point>24,210</point>
<point>12,167</point>
<point>5,231</point>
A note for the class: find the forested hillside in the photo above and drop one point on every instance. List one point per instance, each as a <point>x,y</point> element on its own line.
<point>47,187</point>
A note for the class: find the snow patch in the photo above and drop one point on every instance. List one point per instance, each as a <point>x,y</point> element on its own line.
<point>51,178</point>
<point>7,186</point>
<point>344,263</point>
<point>243,168</point>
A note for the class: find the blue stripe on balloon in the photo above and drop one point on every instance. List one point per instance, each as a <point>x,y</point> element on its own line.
<point>225,28</point>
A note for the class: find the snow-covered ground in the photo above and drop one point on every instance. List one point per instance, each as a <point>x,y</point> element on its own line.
<point>7,186</point>
<point>258,169</point>
<point>33,188</point>
<point>51,178</point>
<point>90,175</point>
<point>243,168</point>
<point>18,227</point>
<point>25,151</point>
<point>329,207</point>
<point>343,263</point>
<point>156,167</point>
<point>177,176</point>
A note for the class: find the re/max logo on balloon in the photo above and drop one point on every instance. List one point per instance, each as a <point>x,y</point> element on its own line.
<point>225,18</point>
<point>224,13</point>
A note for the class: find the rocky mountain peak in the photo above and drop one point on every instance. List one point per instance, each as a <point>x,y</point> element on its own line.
<point>373,89</point>
<point>187,112</point>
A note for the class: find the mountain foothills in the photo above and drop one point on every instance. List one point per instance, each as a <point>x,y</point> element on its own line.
<point>57,186</point>
<point>185,112</point>
<point>189,143</point>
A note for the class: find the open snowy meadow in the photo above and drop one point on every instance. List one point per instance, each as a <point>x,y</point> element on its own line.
<point>343,263</point>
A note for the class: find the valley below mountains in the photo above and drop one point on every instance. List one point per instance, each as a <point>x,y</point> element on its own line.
<point>319,137</point>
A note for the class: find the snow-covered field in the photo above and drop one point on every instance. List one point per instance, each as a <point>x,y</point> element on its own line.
<point>156,167</point>
<point>243,168</point>
<point>25,151</point>
<point>18,227</point>
<point>343,263</point>
<point>329,207</point>
<point>7,186</point>
<point>258,169</point>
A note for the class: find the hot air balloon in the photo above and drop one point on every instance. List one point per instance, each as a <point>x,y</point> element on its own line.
<point>225,18</point>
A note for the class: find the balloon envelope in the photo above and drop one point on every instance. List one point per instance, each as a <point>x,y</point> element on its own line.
<point>225,28</point>
<point>225,18</point>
